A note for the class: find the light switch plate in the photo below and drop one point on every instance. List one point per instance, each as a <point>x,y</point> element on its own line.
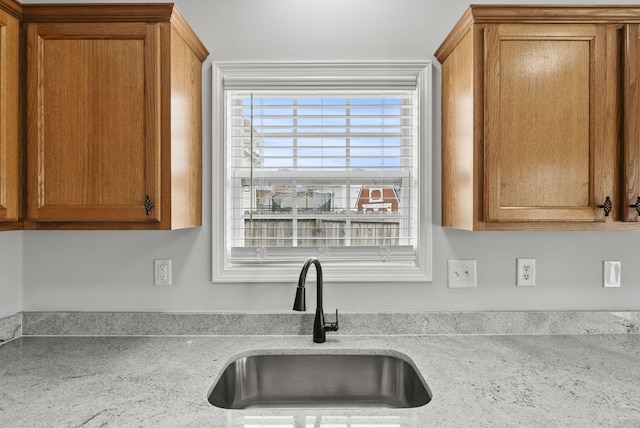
<point>461,273</point>
<point>611,273</point>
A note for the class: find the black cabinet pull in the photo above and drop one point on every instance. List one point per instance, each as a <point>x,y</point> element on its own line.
<point>636,205</point>
<point>148,205</point>
<point>607,206</point>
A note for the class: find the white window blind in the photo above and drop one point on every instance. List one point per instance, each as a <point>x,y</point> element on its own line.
<point>324,170</point>
<point>321,162</point>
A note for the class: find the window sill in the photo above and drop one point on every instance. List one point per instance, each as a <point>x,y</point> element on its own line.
<point>332,273</point>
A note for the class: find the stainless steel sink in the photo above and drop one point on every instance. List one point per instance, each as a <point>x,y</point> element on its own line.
<point>319,381</point>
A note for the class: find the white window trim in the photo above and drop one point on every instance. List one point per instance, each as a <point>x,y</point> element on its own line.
<point>355,75</point>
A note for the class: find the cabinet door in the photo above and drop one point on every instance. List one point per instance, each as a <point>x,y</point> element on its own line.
<point>548,156</point>
<point>631,162</point>
<point>93,134</point>
<point>10,183</point>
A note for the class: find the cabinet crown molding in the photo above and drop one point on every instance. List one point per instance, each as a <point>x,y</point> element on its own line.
<point>12,7</point>
<point>112,13</point>
<point>537,14</point>
<point>97,12</point>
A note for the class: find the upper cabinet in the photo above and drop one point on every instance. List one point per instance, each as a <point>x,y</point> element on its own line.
<point>540,118</point>
<point>10,118</point>
<point>113,113</point>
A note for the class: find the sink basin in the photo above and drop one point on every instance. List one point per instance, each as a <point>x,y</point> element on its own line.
<point>319,381</point>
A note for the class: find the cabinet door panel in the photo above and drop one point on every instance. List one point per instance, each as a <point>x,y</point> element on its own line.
<point>544,152</point>
<point>632,123</point>
<point>10,183</point>
<point>93,137</point>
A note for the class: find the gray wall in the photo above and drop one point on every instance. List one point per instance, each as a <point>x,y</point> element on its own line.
<point>113,270</point>
<point>10,273</point>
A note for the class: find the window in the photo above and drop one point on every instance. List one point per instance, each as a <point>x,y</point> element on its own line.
<point>326,160</point>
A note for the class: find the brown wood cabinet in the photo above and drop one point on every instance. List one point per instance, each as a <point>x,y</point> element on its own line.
<point>11,184</point>
<point>540,118</point>
<point>114,132</point>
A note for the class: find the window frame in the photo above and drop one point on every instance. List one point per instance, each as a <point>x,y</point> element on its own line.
<point>305,75</point>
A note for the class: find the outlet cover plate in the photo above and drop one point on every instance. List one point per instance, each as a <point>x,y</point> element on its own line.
<point>525,272</point>
<point>162,272</point>
<point>461,274</point>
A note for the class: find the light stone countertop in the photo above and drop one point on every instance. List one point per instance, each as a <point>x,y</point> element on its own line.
<point>476,380</point>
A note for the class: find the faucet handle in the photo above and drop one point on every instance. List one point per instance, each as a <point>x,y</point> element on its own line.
<point>332,326</point>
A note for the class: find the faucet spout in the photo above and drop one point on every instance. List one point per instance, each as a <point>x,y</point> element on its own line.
<point>320,327</point>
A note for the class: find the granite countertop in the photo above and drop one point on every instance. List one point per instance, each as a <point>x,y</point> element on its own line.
<point>476,380</point>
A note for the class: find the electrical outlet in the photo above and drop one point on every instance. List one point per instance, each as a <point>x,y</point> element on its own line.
<point>461,273</point>
<point>525,272</point>
<point>162,272</point>
<point>611,273</point>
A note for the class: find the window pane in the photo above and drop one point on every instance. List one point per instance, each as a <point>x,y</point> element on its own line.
<point>322,171</point>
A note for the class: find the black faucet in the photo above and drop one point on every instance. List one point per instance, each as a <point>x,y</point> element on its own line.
<point>320,327</point>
